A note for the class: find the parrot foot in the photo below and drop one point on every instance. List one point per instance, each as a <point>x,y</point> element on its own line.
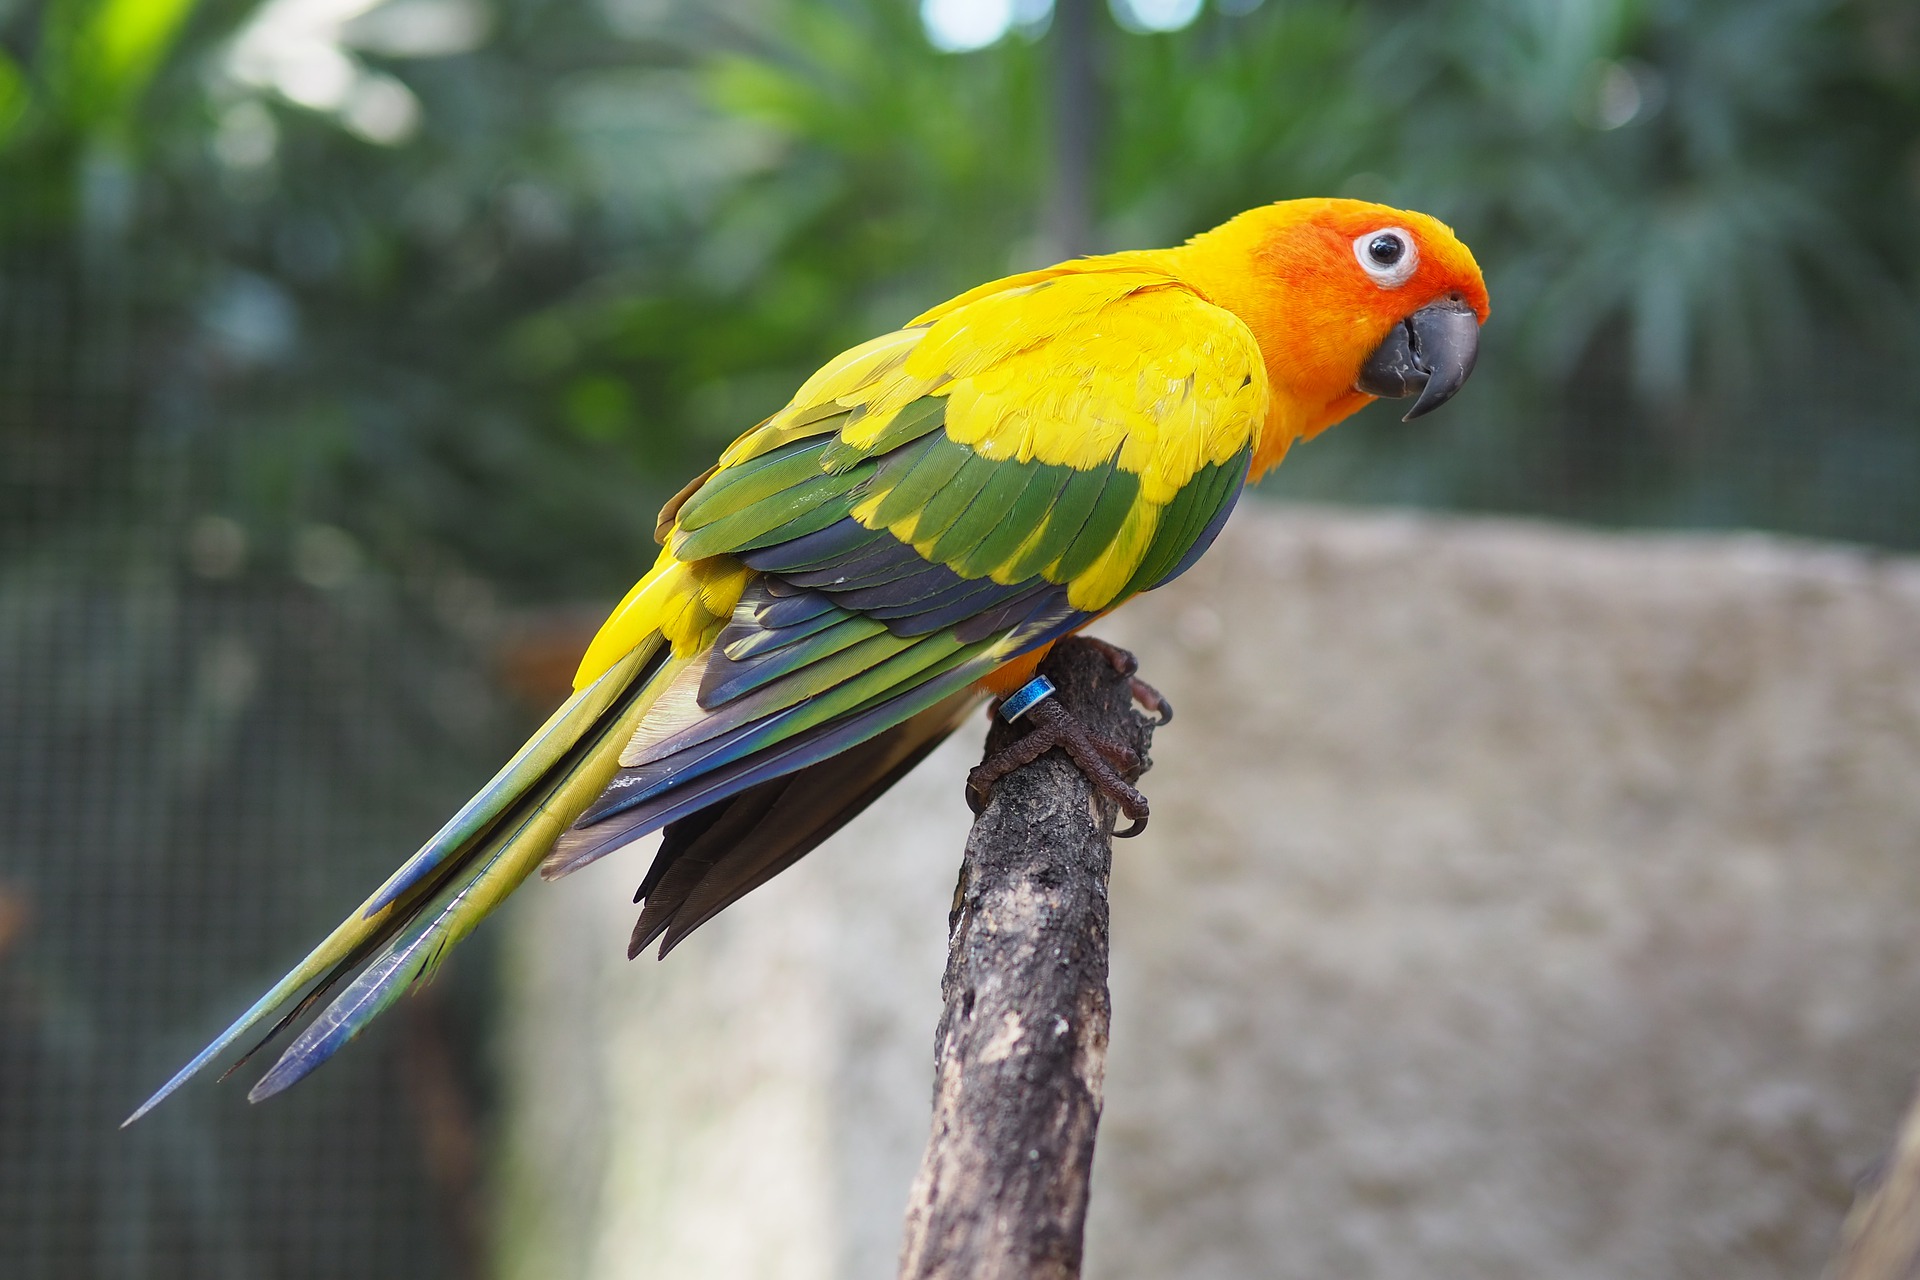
<point>1100,761</point>
<point>1126,664</point>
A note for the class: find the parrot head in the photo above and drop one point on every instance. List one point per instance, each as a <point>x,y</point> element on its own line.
<point>1349,301</point>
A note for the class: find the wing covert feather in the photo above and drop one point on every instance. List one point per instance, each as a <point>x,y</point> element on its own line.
<point>1070,429</point>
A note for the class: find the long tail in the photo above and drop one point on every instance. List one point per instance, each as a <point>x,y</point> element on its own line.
<point>817,730</point>
<point>397,937</point>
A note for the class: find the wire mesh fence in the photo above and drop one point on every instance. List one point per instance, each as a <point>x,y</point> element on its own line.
<point>206,761</point>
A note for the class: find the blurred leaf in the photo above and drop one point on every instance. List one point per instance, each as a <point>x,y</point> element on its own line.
<point>599,407</point>
<point>14,97</point>
<point>106,51</point>
<point>626,230</point>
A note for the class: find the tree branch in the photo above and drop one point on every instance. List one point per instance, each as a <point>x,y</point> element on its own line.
<point>1020,1057</point>
<point>1881,1237</point>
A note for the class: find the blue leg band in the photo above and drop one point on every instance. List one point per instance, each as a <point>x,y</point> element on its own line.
<point>1026,698</point>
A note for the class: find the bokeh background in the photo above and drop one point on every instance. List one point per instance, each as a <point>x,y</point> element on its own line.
<point>347,348</point>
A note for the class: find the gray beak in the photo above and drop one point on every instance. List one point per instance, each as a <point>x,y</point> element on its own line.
<point>1430,352</point>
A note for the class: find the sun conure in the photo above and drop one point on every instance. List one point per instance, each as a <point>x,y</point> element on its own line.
<point>929,513</point>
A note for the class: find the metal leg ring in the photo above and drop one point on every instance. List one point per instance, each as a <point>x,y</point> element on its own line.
<point>1026,698</point>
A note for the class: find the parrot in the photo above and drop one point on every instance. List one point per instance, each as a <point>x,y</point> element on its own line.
<point>907,536</point>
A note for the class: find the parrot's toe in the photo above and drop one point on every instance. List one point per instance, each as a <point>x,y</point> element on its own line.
<point>1123,661</point>
<point>1127,665</point>
<point>1100,760</point>
<point>1152,699</point>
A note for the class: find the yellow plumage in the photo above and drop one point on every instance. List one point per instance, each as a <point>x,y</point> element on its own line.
<point>1061,367</point>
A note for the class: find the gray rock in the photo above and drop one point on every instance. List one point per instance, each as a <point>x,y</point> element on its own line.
<point>1518,902</point>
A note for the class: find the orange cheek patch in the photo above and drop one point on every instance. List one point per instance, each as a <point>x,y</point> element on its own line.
<point>1342,408</point>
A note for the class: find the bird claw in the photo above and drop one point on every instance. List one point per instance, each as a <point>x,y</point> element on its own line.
<point>1100,760</point>
<point>1124,663</point>
<point>1152,699</point>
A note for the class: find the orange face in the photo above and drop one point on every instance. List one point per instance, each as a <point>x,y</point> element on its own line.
<point>1323,284</point>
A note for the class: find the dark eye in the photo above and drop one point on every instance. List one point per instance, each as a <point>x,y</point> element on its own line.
<point>1388,255</point>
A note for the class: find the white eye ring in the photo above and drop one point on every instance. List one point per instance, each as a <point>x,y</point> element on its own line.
<point>1392,272</point>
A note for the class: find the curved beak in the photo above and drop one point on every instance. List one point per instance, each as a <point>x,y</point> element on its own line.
<point>1430,352</point>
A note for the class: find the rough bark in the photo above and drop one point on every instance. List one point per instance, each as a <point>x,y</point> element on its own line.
<point>1020,1055</point>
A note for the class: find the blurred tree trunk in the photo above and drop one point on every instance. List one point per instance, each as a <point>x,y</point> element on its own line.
<point>1076,107</point>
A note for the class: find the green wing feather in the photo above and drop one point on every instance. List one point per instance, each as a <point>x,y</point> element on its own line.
<point>1077,498</point>
<point>811,503</point>
<point>1118,494</point>
<point>941,511</point>
<point>910,478</point>
<point>917,419</point>
<point>780,474</point>
<point>1013,519</point>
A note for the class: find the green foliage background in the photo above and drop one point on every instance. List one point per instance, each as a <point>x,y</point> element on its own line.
<point>623,231</point>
